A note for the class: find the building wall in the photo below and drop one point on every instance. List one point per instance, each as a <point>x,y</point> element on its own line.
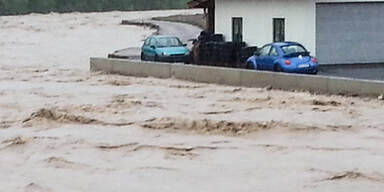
<point>258,20</point>
<point>300,19</point>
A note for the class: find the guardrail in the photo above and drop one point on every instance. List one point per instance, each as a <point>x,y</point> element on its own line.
<point>239,77</point>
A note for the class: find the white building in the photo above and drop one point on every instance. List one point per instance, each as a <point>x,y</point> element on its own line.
<point>335,31</point>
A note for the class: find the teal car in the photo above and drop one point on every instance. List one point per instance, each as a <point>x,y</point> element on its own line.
<point>164,49</point>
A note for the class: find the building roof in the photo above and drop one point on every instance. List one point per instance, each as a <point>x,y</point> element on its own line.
<point>198,4</point>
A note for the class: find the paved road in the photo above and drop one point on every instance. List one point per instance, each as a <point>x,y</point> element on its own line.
<point>181,30</point>
<point>367,71</point>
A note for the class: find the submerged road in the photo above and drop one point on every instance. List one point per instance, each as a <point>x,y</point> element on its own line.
<point>184,31</point>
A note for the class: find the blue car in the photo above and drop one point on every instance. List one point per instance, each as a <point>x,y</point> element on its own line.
<point>164,49</point>
<point>287,57</point>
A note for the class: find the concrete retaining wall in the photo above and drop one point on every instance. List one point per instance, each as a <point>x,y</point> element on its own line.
<point>239,77</point>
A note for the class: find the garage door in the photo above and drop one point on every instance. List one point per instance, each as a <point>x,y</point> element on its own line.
<point>350,33</point>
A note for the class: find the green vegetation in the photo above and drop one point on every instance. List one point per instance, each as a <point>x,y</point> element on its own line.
<point>15,7</point>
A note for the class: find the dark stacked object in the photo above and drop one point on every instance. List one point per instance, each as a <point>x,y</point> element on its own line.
<point>214,51</point>
<point>244,54</point>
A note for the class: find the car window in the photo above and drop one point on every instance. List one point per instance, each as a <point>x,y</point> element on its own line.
<point>293,49</point>
<point>265,50</point>
<point>169,42</point>
<point>146,43</point>
<point>152,42</point>
<point>273,52</point>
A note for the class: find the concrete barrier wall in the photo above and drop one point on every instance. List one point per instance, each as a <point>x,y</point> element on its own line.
<point>239,77</point>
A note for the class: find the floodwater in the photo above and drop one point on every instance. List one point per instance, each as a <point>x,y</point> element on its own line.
<point>63,128</point>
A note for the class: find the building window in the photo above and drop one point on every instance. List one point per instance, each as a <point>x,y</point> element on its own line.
<point>237,29</point>
<point>278,30</point>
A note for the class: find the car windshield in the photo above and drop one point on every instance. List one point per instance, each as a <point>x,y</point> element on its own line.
<point>168,42</point>
<point>293,50</point>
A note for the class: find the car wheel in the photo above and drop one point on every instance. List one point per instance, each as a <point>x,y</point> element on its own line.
<point>142,57</point>
<point>250,66</point>
<point>187,60</point>
<point>156,58</point>
<point>277,68</point>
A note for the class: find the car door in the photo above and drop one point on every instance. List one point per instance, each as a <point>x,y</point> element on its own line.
<point>262,58</point>
<point>144,48</point>
<point>150,49</point>
<point>271,58</point>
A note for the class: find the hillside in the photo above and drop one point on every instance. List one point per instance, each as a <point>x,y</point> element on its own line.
<point>15,7</point>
